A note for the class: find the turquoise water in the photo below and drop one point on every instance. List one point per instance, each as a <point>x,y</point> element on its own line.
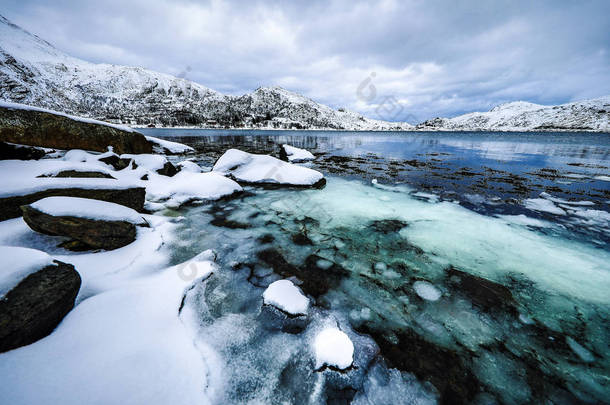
<point>453,288</point>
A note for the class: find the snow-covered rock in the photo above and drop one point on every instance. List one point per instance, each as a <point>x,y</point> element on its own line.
<point>294,155</point>
<point>17,263</point>
<point>34,72</point>
<point>36,292</point>
<point>188,186</point>
<point>286,296</point>
<point>264,169</point>
<point>189,166</point>
<point>168,147</point>
<point>87,208</point>
<point>588,115</point>
<point>333,348</point>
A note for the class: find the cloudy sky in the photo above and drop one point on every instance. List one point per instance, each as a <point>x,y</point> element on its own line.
<point>402,60</point>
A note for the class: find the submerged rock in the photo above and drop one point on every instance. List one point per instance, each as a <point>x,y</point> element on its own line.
<point>484,293</point>
<point>37,127</point>
<point>388,225</point>
<point>20,152</point>
<point>32,309</point>
<point>444,368</point>
<point>97,224</point>
<point>317,274</point>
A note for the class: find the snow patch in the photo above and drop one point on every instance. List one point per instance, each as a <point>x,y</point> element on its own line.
<point>17,264</point>
<point>87,208</point>
<point>333,348</point>
<point>287,297</point>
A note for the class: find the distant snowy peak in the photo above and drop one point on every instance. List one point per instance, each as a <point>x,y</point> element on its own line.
<point>587,115</point>
<point>34,72</point>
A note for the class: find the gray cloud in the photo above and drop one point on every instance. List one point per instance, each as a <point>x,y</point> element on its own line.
<point>435,57</point>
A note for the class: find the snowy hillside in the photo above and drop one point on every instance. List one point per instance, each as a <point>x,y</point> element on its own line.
<point>33,72</point>
<point>589,115</point>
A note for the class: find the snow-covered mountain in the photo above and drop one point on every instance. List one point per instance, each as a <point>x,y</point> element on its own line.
<point>34,72</point>
<point>588,115</point>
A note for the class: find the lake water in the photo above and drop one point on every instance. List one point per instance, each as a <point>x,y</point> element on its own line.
<point>476,265</point>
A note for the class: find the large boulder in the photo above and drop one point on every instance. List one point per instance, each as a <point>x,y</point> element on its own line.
<point>96,224</point>
<point>37,303</point>
<point>132,197</point>
<point>38,127</point>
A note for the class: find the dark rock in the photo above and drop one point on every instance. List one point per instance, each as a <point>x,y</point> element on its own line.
<point>129,197</point>
<point>266,238</point>
<point>283,154</point>
<point>388,225</point>
<point>168,169</point>
<point>145,177</point>
<point>301,239</point>
<point>82,174</point>
<point>444,368</point>
<point>98,234</point>
<point>38,128</point>
<point>223,222</point>
<point>33,309</point>
<point>483,293</point>
<point>316,280</point>
<point>115,161</point>
<point>19,152</point>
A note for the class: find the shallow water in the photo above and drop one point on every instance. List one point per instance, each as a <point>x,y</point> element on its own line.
<point>441,264</point>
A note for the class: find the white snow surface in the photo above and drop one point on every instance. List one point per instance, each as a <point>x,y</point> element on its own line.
<point>189,166</point>
<point>254,168</point>
<point>87,208</point>
<point>297,155</point>
<point>147,161</point>
<point>163,145</point>
<point>187,186</point>
<point>426,290</point>
<point>16,263</point>
<point>286,296</point>
<point>333,348</point>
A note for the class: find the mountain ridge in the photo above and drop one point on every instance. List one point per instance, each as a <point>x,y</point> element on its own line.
<point>34,72</point>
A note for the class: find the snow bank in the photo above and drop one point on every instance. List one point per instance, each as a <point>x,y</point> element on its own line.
<point>296,154</point>
<point>333,348</point>
<point>87,208</point>
<point>426,290</point>
<point>253,168</point>
<point>17,263</point>
<point>164,146</point>
<point>127,345</point>
<point>287,297</point>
